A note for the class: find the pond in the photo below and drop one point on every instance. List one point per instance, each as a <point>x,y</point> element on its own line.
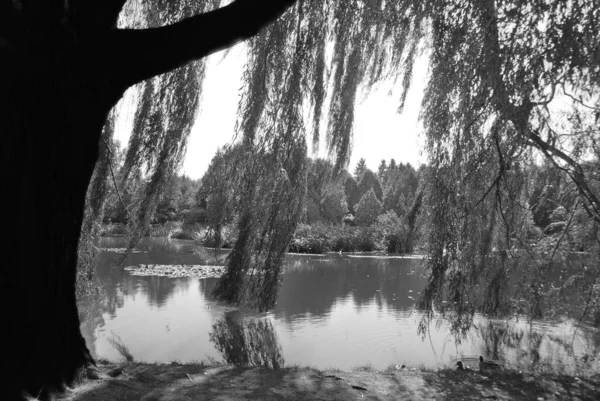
<point>333,311</point>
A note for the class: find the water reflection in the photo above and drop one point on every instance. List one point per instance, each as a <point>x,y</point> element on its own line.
<point>541,346</point>
<point>332,311</point>
<point>161,251</point>
<point>314,285</point>
<point>252,343</point>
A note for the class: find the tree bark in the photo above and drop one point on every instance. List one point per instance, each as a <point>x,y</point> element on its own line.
<point>53,116</point>
<point>55,92</point>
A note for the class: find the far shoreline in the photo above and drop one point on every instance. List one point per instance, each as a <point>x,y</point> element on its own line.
<point>358,254</point>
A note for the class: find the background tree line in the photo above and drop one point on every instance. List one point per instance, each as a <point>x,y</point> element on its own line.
<point>363,211</point>
<point>177,200</point>
<point>378,208</point>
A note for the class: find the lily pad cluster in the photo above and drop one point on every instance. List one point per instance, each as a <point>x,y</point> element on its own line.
<point>196,271</point>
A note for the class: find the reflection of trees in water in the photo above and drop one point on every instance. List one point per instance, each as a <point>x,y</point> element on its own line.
<point>541,348</point>
<point>160,251</point>
<point>211,255</point>
<point>116,287</point>
<point>247,343</point>
<point>160,289</point>
<point>314,285</point>
<point>206,287</point>
<point>109,298</point>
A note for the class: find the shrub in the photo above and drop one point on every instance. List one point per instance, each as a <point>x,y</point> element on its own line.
<point>344,239</point>
<point>188,232</point>
<point>310,239</point>
<point>366,240</point>
<point>353,239</point>
<point>164,230</point>
<point>392,233</point>
<point>389,233</point>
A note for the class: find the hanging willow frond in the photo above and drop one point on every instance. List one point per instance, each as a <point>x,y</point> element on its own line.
<point>494,69</point>
<point>166,111</point>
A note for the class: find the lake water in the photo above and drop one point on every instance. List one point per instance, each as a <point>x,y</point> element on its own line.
<point>339,311</point>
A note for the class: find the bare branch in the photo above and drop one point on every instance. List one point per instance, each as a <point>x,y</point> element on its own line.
<point>114,180</point>
<point>550,98</point>
<point>578,100</point>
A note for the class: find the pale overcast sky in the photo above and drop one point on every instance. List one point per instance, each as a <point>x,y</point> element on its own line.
<point>380,132</point>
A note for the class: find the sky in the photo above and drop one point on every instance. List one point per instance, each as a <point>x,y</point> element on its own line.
<point>379,133</point>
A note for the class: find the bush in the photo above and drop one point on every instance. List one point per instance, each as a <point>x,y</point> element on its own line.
<point>392,233</point>
<point>344,239</point>
<point>365,240</point>
<point>164,230</point>
<point>353,239</point>
<point>188,232</point>
<point>319,238</point>
<point>310,239</point>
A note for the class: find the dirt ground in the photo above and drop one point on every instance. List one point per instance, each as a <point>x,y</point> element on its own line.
<point>154,382</point>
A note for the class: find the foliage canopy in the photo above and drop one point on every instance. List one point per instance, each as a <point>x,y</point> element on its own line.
<point>510,82</point>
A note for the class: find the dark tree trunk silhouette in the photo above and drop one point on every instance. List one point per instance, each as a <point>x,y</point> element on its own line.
<point>63,65</point>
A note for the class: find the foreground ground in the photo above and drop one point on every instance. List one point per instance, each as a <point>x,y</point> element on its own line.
<point>139,381</point>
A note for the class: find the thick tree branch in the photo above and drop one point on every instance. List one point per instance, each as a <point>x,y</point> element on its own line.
<point>576,173</point>
<point>547,101</point>
<point>136,55</point>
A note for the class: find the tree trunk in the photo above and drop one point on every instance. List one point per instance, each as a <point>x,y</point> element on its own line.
<point>51,124</point>
<point>62,68</point>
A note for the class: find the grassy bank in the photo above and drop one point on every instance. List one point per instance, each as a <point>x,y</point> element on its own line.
<point>198,382</point>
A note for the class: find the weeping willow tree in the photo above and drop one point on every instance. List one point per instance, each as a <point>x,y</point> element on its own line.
<point>164,116</point>
<point>509,82</point>
<point>64,65</point>
<point>498,71</point>
<point>288,71</point>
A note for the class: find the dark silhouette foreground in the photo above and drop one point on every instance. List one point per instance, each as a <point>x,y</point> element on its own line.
<point>63,65</point>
